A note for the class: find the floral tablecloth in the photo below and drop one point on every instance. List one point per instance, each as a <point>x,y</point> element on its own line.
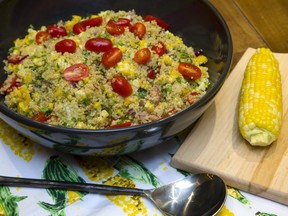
<point>20,157</point>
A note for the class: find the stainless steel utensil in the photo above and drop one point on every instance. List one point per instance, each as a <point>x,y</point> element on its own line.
<point>198,194</point>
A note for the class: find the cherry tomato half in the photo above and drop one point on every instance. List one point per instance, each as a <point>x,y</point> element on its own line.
<point>125,124</point>
<point>114,29</point>
<point>138,29</point>
<point>41,36</point>
<point>98,44</point>
<point>112,57</point>
<point>40,116</point>
<point>76,72</point>
<point>56,31</point>
<point>159,22</point>
<point>121,86</point>
<point>189,71</point>
<point>66,45</point>
<point>159,48</point>
<point>142,56</point>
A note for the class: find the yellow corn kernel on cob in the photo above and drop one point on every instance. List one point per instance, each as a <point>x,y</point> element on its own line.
<point>260,107</point>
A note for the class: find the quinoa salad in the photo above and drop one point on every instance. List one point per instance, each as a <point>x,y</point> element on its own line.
<point>108,70</point>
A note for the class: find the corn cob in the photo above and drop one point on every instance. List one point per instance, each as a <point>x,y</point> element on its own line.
<point>260,107</point>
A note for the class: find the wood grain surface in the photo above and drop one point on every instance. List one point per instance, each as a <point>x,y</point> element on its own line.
<point>269,18</point>
<point>255,23</point>
<point>215,145</point>
<point>242,33</point>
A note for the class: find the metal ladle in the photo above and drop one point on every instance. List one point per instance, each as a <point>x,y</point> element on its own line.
<point>198,194</point>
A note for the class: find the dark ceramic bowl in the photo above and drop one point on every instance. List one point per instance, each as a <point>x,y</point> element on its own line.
<point>197,22</point>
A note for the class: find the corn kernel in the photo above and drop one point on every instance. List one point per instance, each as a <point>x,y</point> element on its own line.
<point>16,52</point>
<point>58,92</point>
<point>126,68</point>
<point>50,105</point>
<point>122,48</point>
<point>24,94</point>
<point>97,105</point>
<point>149,106</point>
<point>86,79</point>
<point>69,25</point>
<point>170,34</point>
<point>185,91</point>
<point>12,67</point>
<point>19,42</point>
<point>127,101</point>
<point>28,78</point>
<point>179,40</point>
<point>119,112</point>
<point>160,79</point>
<point>132,43</point>
<point>142,44</point>
<point>173,75</point>
<point>77,41</point>
<point>144,84</point>
<point>112,40</point>
<point>80,125</point>
<point>169,46</point>
<point>167,60</point>
<point>36,95</point>
<point>109,94</point>
<point>22,108</point>
<point>201,59</point>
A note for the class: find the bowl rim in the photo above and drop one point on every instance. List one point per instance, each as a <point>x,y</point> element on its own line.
<point>212,91</point>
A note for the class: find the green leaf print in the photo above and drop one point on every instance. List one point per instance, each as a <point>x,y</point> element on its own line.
<point>57,170</point>
<point>132,169</point>
<point>236,194</point>
<point>8,202</point>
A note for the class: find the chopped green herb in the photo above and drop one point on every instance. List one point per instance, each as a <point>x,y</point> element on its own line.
<point>86,101</point>
<point>85,53</point>
<point>185,57</point>
<point>166,88</point>
<point>142,93</point>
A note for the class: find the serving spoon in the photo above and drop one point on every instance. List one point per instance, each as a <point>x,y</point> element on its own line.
<point>198,194</point>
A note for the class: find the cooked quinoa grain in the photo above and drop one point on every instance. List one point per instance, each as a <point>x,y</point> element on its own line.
<point>113,69</point>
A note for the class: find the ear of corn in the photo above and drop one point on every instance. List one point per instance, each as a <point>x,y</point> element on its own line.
<point>260,107</point>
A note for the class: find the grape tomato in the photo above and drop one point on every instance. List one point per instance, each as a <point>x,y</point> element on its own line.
<point>121,86</point>
<point>98,44</point>
<point>66,45</point>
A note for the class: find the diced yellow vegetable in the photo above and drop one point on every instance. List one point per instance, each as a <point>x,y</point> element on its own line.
<point>97,105</point>
<point>69,25</point>
<point>173,75</point>
<point>201,59</point>
<point>260,107</point>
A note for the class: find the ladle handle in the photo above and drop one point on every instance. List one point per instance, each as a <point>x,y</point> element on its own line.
<point>74,186</point>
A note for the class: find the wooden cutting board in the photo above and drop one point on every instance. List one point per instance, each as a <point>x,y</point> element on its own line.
<point>215,145</point>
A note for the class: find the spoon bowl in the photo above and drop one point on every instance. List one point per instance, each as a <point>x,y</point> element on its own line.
<point>198,194</point>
